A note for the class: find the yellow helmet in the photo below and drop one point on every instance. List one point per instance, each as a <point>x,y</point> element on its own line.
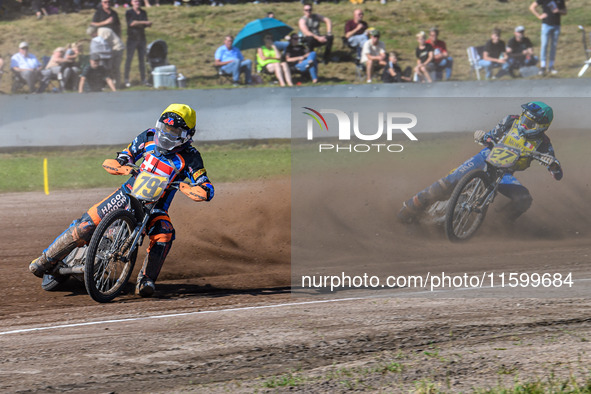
<point>175,127</point>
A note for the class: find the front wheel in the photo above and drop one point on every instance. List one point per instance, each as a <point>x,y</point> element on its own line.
<point>465,212</point>
<point>106,270</point>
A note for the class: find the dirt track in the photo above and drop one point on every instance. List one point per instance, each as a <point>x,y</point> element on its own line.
<point>233,254</point>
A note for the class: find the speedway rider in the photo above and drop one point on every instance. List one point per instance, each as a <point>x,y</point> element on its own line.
<point>167,151</point>
<point>534,120</point>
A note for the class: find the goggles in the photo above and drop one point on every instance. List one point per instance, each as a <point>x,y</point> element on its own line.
<point>168,137</point>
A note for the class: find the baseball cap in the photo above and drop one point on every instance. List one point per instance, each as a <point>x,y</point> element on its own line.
<point>23,44</point>
<point>520,29</point>
<point>95,56</point>
<point>374,33</point>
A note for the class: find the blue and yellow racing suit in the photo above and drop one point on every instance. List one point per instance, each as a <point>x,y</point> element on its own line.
<point>520,197</point>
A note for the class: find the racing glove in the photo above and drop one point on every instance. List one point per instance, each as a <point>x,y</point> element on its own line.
<point>479,135</point>
<point>123,158</point>
<point>113,167</point>
<point>197,192</point>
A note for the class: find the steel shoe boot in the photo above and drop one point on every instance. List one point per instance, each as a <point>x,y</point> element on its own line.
<point>145,287</point>
<point>40,266</point>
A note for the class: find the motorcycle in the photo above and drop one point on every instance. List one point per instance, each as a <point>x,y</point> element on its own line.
<point>106,263</point>
<point>475,192</point>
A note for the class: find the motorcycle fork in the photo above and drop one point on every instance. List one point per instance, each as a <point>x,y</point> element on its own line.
<point>491,193</point>
<point>137,236</point>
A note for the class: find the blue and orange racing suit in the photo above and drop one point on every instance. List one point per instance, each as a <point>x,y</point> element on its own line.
<point>520,197</point>
<point>181,163</point>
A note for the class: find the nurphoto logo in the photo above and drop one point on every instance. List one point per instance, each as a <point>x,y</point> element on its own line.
<point>388,123</point>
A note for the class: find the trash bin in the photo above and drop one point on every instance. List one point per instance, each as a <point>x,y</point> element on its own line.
<point>164,76</point>
<point>181,81</point>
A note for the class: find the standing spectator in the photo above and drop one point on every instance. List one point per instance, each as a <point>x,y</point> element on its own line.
<point>520,51</point>
<point>550,17</point>
<point>269,58</point>
<point>373,54</point>
<point>100,47</point>
<point>393,72</point>
<point>105,16</point>
<point>355,31</point>
<point>137,21</point>
<point>94,77</point>
<point>299,57</point>
<point>117,48</point>
<point>424,54</point>
<point>27,66</point>
<point>231,61</point>
<point>309,25</point>
<point>494,55</point>
<point>441,59</point>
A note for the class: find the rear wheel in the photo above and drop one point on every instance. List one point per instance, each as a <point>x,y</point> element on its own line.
<point>106,270</point>
<point>464,213</point>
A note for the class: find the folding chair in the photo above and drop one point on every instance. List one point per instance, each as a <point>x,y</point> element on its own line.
<point>223,77</point>
<point>474,55</point>
<point>18,82</point>
<point>587,52</point>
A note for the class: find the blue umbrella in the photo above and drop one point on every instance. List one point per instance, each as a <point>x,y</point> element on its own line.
<point>251,35</point>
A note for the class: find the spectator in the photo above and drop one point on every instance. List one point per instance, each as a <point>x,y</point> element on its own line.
<point>355,31</point>
<point>494,55</point>
<point>299,57</point>
<point>309,25</point>
<point>373,54</point>
<point>71,66</point>
<point>27,66</point>
<point>117,48</point>
<point>393,72</point>
<point>424,54</point>
<point>100,47</point>
<point>520,51</point>
<point>231,61</point>
<point>53,68</point>
<point>550,17</point>
<point>269,58</point>
<point>441,59</point>
<point>94,77</point>
<point>38,9</point>
<point>137,21</point>
<point>105,16</point>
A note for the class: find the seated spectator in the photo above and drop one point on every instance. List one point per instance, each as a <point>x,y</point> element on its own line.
<point>1,68</point>
<point>94,77</point>
<point>494,56</point>
<point>520,51</point>
<point>424,53</point>
<point>393,72</point>
<point>355,31</point>
<point>280,44</point>
<point>117,49</point>
<point>71,66</point>
<point>269,58</point>
<point>231,61</point>
<point>309,25</point>
<point>299,57</point>
<point>27,66</point>
<point>441,59</point>
<point>53,68</point>
<point>373,54</point>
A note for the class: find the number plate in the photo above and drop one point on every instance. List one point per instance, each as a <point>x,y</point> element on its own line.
<point>148,186</point>
<point>503,156</point>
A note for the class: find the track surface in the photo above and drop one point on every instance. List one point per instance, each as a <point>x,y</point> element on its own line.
<point>233,254</point>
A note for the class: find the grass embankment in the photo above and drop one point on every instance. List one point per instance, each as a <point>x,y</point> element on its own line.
<point>193,33</point>
<point>80,168</point>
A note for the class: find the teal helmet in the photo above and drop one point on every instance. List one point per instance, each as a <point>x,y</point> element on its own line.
<point>535,119</point>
